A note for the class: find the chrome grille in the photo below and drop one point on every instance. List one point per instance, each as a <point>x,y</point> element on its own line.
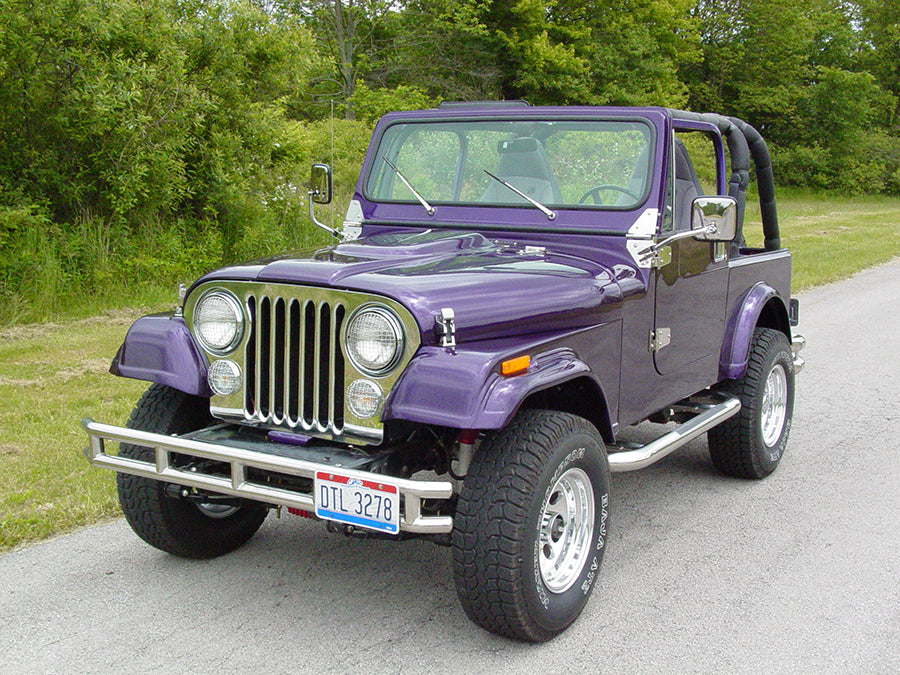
<point>294,363</point>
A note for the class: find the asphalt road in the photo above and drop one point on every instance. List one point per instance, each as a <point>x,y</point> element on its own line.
<point>798,572</point>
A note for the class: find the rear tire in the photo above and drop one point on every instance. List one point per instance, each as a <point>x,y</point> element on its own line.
<point>530,527</point>
<point>752,443</point>
<point>174,525</point>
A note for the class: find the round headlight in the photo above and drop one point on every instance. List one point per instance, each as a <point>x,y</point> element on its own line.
<point>219,321</point>
<point>374,340</point>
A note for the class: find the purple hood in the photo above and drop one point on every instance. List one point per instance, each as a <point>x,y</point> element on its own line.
<point>496,288</point>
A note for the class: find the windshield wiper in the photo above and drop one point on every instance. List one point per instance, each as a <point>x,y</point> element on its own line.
<point>428,207</point>
<point>547,212</point>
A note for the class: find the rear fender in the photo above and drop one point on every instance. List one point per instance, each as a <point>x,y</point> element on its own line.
<point>159,348</point>
<point>761,305</point>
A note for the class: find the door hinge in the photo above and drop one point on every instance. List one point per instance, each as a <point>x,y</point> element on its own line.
<point>661,257</point>
<point>659,338</point>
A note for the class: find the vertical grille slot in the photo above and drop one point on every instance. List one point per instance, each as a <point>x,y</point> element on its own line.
<point>294,355</point>
<point>337,380</point>
<point>263,330</point>
<point>250,406</point>
<point>309,361</point>
<point>324,361</point>
<point>294,364</point>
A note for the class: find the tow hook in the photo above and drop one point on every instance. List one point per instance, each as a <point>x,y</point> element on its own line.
<point>346,530</point>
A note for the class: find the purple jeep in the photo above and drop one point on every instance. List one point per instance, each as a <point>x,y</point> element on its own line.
<point>514,286</point>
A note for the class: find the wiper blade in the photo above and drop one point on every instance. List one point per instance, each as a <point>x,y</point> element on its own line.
<point>428,207</point>
<point>547,212</point>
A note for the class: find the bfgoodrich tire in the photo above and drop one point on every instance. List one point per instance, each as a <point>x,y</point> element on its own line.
<point>174,525</point>
<point>530,527</point>
<point>752,443</point>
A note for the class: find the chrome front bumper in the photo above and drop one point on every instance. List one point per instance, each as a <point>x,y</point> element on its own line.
<point>238,484</point>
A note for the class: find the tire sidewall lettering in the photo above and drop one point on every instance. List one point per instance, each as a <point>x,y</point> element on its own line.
<point>770,455</point>
<point>553,606</point>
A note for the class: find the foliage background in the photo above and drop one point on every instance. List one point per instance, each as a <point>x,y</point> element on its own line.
<point>145,141</point>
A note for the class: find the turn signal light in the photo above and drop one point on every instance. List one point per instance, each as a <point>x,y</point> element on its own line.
<point>515,366</point>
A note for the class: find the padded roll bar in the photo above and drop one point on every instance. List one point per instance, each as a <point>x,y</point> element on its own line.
<point>744,143</point>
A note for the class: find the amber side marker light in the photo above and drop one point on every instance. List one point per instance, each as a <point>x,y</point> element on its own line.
<point>515,366</point>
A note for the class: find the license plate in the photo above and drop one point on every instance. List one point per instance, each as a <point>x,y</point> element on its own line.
<point>365,503</point>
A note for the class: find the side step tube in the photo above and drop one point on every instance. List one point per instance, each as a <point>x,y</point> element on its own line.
<point>632,460</point>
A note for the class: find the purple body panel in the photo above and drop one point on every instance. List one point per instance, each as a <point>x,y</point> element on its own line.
<point>462,388</point>
<point>748,300</point>
<point>159,348</point>
<point>496,289</point>
<point>567,292</point>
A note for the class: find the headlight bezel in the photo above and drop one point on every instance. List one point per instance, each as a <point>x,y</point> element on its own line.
<point>240,322</point>
<point>396,328</point>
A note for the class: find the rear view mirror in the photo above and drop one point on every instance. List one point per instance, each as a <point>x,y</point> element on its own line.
<point>320,184</point>
<point>715,218</point>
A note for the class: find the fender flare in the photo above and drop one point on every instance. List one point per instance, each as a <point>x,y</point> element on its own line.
<point>742,322</point>
<point>466,390</point>
<point>159,348</point>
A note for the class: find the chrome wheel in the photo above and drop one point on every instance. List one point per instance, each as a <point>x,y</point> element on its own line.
<point>774,405</point>
<point>217,510</point>
<point>567,521</point>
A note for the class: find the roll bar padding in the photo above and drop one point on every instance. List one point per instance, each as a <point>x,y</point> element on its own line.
<point>744,143</point>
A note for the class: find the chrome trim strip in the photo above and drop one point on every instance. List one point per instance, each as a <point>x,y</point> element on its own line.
<point>239,460</point>
<point>632,460</point>
<point>752,258</point>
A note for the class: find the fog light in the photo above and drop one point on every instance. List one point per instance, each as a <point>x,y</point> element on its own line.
<point>224,377</point>
<point>364,398</point>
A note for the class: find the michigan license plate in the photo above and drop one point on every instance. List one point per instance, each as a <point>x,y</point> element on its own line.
<point>371,504</point>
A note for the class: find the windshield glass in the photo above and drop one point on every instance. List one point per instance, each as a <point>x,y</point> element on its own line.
<point>568,164</point>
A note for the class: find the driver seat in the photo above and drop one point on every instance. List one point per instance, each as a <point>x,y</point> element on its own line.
<point>523,163</point>
<point>687,186</point>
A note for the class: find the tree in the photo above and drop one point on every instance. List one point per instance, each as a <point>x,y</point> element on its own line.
<point>348,32</point>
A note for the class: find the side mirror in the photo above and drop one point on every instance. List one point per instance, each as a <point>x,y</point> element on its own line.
<point>715,218</point>
<point>320,193</point>
<point>320,184</point>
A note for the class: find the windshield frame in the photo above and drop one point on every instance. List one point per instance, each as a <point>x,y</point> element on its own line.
<point>379,148</point>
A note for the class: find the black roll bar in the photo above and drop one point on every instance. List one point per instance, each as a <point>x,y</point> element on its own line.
<point>744,143</point>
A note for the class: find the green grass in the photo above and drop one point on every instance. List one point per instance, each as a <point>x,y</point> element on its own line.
<point>831,237</point>
<point>52,375</point>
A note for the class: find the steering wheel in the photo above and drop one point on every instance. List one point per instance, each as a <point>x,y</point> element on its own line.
<point>594,193</point>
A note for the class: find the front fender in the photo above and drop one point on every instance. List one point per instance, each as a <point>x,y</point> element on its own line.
<point>464,389</point>
<point>742,322</point>
<point>159,348</point>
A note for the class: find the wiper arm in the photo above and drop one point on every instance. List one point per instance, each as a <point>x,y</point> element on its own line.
<point>428,207</point>
<point>547,212</point>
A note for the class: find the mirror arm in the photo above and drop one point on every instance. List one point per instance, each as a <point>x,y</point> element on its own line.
<point>312,216</point>
<point>653,248</point>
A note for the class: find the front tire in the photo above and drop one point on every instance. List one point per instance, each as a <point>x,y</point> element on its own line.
<point>531,523</point>
<point>752,443</point>
<point>174,525</point>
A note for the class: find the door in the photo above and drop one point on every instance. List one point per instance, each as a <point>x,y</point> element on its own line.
<point>692,288</point>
